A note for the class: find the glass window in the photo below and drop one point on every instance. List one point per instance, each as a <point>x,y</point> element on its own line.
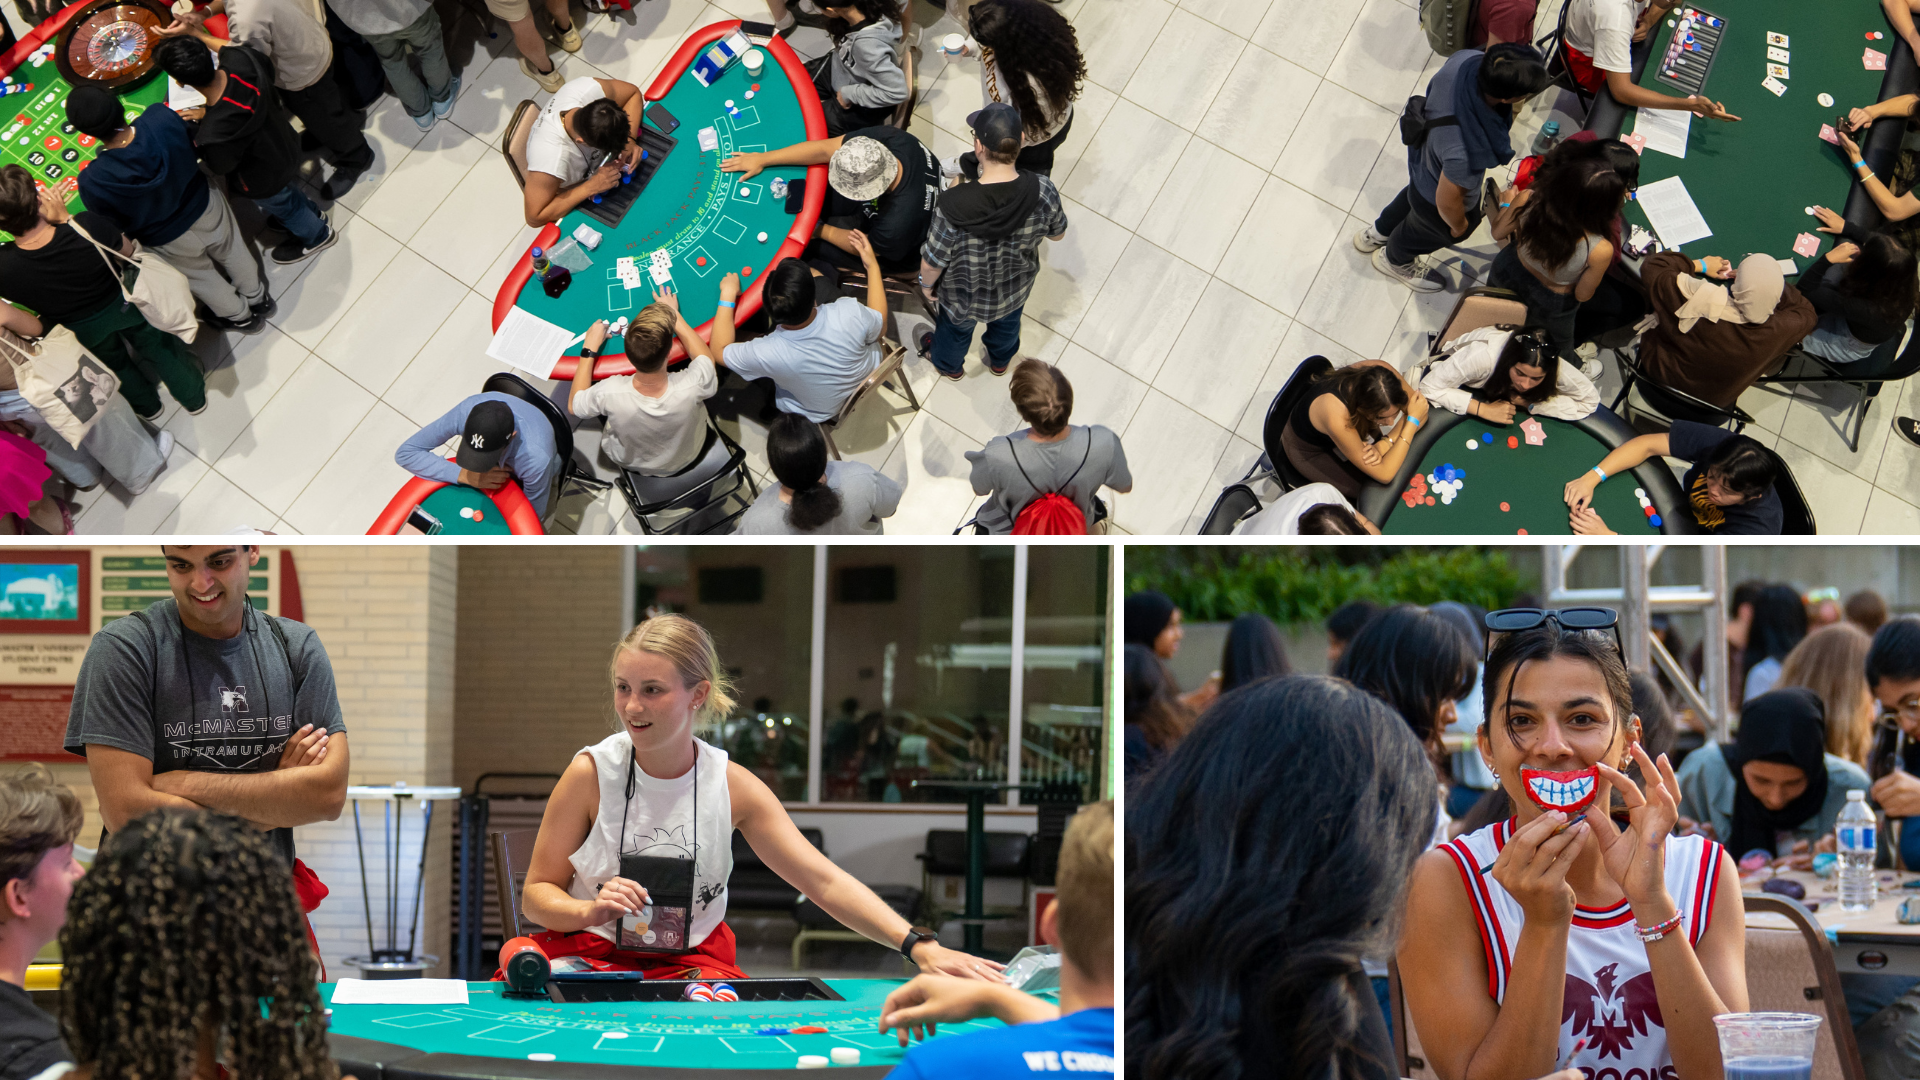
<point>1066,667</point>
<point>919,649</point>
<point>757,602</point>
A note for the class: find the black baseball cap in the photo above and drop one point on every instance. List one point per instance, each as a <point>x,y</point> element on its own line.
<point>484,442</point>
<point>995,124</point>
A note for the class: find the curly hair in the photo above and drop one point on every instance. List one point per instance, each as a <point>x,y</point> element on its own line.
<point>1031,43</point>
<point>188,917</point>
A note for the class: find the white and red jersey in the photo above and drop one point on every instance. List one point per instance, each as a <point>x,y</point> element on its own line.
<point>1609,997</point>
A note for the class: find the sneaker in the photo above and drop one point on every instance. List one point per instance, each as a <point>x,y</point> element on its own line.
<point>1589,354</point>
<point>163,442</point>
<point>1411,275</point>
<point>570,38</point>
<point>249,325</point>
<point>294,250</point>
<point>264,307</point>
<point>1001,370</point>
<point>1368,240</point>
<point>924,344</point>
<point>1909,429</point>
<point>425,120</point>
<point>551,82</point>
<point>442,108</point>
<point>340,183</point>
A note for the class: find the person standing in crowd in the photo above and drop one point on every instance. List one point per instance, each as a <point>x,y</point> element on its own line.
<point>1779,624</point>
<point>1030,60</point>
<point>1254,651</point>
<point>1346,622</point>
<point>398,29</point>
<point>1049,456</point>
<point>1153,620</point>
<point>534,61</point>
<point>39,821</point>
<point>1560,250</point>
<point>1156,718</point>
<point>117,446</point>
<point>1867,610</point>
<point>1831,662</point>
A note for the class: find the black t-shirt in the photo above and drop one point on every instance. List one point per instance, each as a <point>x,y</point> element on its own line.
<point>1695,443</point>
<point>29,1036</point>
<point>897,222</point>
<point>67,278</point>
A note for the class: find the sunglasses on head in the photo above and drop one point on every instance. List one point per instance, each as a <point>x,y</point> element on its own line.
<point>1514,620</point>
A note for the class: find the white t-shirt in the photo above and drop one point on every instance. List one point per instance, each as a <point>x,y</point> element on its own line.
<point>1283,517</point>
<point>653,436</point>
<point>1603,29</point>
<point>549,148</point>
<point>816,367</point>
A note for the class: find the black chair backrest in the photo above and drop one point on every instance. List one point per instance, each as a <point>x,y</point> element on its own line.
<point>1678,404</point>
<point>658,492</point>
<point>1006,852</point>
<point>1298,385</point>
<point>1797,515</point>
<point>506,382</point>
<point>1236,502</point>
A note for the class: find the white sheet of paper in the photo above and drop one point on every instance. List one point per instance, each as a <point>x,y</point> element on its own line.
<point>1672,213</point>
<point>1787,266</point>
<point>400,991</point>
<point>529,343</point>
<point>1665,129</point>
<point>181,98</point>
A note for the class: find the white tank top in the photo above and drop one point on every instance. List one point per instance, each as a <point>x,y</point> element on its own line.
<point>659,821</point>
<point>1609,996</point>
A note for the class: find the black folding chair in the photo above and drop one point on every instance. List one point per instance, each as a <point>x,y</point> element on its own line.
<point>1866,376</point>
<point>1235,503</point>
<point>1669,402</point>
<point>1298,386</point>
<point>1796,514</point>
<point>506,382</point>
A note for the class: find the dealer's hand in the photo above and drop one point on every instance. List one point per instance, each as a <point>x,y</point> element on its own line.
<point>492,480</point>
<point>1898,793</point>
<point>1708,109</point>
<point>308,746</point>
<point>936,959</point>
<point>748,164</point>
<point>616,897</point>
<point>606,178</point>
<point>927,1001</point>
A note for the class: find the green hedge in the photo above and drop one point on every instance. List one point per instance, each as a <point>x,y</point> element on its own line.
<point>1298,584</point>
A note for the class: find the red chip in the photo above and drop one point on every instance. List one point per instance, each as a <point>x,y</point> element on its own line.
<point>1513,443</point>
<point>1650,511</point>
<point>700,260</point>
<point>746,271</point>
<point>1429,500</point>
<point>809,1031</point>
<point>1523,532</point>
<point>478,513</point>
<point>755,86</point>
<point>1504,508</point>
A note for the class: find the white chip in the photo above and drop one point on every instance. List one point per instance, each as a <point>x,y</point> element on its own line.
<point>1809,211</point>
<point>845,1055</point>
<point>746,191</point>
<point>1473,444</point>
<point>1826,101</point>
<point>1670,22</point>
<point>763,238</point>
<point>1639,493</point>
<point>729,103</point>
<point>613,1034</point>
<point>749,95</point>
<point>812,1061</point>
<point>539,1057</point>
<point>466,511</point>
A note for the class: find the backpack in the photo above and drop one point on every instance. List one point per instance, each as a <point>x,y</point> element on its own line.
<point>1446,23</point>
<point>1415,125</point>
<point>1051,514</point>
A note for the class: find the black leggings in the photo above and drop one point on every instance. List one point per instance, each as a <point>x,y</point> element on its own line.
<point>1033,159</point>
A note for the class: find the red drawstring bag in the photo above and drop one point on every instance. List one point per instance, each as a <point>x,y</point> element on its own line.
<point>1052,514</point>
<point>310,890</point>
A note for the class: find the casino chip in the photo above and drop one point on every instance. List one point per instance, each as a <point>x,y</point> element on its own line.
<point>539,1057</point>
<point>1473,444</point>
<point>812,1061</point>
<point>763,238</point>
<point>1826,101</point>
<point>845,1055</point>
<point>1504,508</point>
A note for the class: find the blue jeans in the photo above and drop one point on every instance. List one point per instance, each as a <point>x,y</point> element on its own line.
<point>421,38</point>
<point>951,338</point>
<point>295,213</point>
<point>1833,341</point>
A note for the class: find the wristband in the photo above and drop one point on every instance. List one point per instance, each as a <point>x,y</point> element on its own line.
<point>726,303</point>
<point>1597,472</point>
<point>1651,934</point>
<point>1414,422</point>
<point>1861,164</point>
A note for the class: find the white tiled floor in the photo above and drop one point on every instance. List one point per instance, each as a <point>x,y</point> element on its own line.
<point>1223,151</point>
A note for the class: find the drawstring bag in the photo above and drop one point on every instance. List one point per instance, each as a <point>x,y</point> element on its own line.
<point>1052,514</point>
<point>159,289</point>
<point>65,383</point>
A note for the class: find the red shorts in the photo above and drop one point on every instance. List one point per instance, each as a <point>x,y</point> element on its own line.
<point>1580,66</point>
<point>711,959</point>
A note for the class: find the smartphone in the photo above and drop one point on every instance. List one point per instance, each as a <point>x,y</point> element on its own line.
<point>424,521</point>
<point>760,30</point>
<point>662,119</point>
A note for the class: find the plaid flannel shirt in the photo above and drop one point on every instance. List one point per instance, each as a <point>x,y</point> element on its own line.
<point>982,280</point>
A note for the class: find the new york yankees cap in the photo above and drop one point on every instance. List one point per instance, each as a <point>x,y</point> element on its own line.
<point>484,442</point>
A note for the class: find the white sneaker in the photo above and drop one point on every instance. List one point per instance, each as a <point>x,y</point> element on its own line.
<point>163,442</point>
<point>1412,276</point>
<point>1589,355</point>
<point>1368,240</point>
<point>950,168</point>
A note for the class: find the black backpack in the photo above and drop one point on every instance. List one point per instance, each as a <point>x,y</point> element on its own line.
<point>1415,124</point>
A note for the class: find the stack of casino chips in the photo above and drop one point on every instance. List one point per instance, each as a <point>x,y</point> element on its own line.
<point>1647,507</point>
<point>725,992</point>
<point>698,991</point>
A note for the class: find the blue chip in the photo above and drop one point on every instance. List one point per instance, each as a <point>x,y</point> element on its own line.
<point>771,1031</point>
<point>1486,436</point>
<point>1654,520</point>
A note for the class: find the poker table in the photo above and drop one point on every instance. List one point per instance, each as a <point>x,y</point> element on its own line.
<point>499,513</point>
<point>1529,480</point>
<point>498,1035</point>
<point>707,220</point>
<point>1752,180</point>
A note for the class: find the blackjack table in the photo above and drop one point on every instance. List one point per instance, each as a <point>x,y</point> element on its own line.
<point>435,508</point>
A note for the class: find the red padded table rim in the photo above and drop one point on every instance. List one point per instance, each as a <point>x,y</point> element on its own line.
<point>797,237</point>
<point>521,518</point>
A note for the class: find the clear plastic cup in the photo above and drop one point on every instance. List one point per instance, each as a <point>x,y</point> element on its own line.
<point>1767,1045</point>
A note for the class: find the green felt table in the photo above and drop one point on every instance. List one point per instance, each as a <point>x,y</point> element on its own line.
<point>625,1039</point>
<point>447,502</point>
<point>1529,479</point>
<point>1753,180</point>
<point>709,221</point>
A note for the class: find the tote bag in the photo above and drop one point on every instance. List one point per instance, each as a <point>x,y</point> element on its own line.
<point>68,385</point>
<point>160,290</point>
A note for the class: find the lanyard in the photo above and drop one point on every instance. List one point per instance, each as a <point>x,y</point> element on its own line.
<point>628,803</point>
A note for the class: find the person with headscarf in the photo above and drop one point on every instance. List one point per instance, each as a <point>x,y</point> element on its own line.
<point>1729,484</point>
<point>1718,328</point>
<point>1254,650</point>
<point>1152,619</point>
<point>1774,788</point>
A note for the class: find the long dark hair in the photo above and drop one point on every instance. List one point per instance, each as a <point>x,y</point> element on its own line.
<point>870,10</point>
<point>1779,622</point>
<point>1523,347</point>
<point>1150,701</point>
<point>1254,650</point>
<point>1566,205</point>
<point>1287,823</point>
<point>188,917</point>
<point>1366,391</point>
<point>1415,661</point>
<point>1883,275</point>
<point>1030,38</point>
<point>798,454</point>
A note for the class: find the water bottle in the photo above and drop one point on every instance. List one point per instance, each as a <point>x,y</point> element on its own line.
<point>540,262</point>
<point>1855,832</point>
<point>1549,135</point>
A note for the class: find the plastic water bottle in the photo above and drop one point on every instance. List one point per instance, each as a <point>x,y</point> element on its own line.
<point>1855,830</point>
<point>1549,135</point>
<point>540,262</point>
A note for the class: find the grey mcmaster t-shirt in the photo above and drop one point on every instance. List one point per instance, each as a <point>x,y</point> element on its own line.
<point>152,687</point>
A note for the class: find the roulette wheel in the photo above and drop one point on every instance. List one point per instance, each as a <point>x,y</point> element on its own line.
<point>109,43</point>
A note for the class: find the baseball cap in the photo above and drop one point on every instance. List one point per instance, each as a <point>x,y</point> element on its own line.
<point>995,124</point>
<point>861,169</point>
<point>484,442</point>
<point>94,110</point>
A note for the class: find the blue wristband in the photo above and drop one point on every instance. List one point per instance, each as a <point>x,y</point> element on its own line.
<point>1414,422</point>
<point>726,303</point>
<point>1602,475</point>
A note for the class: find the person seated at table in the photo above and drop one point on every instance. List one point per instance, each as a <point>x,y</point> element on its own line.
<point>818,353</point>
<point>1729,488</point>
<point>1308,510</point>
<point>1865,305</point>
<point>1560,250</point>
<point>1604,914</point>
<point>1335,434</point>
<point>184,942</point>
<point>653,789</point>
<point>883,184</point>
<point>1494,372</point>
<point>860,81</point>
<point>1048,456</point>
<point>1892,194</point>
<point>816,496</point>
<point>590,122</point>
<point>1077,1034</point>
<point>1774,788</point>
<point>501,438</point>
<point>39,819</point>
<point>655,421</point>
<point>1718,329</point>
<point>1599,52</point>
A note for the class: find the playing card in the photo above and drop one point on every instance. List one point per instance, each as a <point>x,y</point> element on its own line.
<point>1788,267</point>
<point>1778,71</point>
<point>1874,61</point>
<point>1777,39</point>
<point>1778,56</point>
<point>1827,133</point>
<point>1636,140</point>
<point>661,275</point>
<point>1774,85</point>
<point>1806,244</point>
<point>660,258</point>
<point>709,139</point>
<point>1535,434</point>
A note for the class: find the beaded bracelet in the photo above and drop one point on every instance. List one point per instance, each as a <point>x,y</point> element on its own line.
<point>1650,934</point>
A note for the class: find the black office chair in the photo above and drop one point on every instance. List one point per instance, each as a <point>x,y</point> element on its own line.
<point>1554,48</point>
<point>1669,402</point>
<point>702,498</point>
<point>1796,516</point>
<point>1298,386</point>
<point>506,382</point>
<point>1867,375</point>
<point>1235,504</point>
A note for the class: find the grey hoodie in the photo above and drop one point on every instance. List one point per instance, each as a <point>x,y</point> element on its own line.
<point>866,66</point>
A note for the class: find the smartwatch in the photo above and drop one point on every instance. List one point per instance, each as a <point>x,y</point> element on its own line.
<point>916,935</point>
